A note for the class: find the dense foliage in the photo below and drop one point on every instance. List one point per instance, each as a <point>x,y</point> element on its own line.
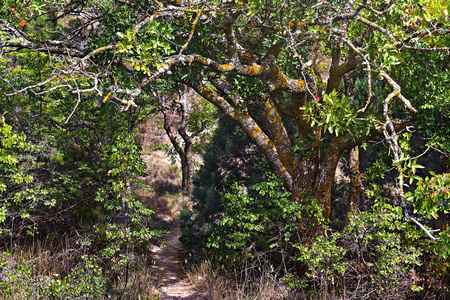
<point>230,158</point>
<point>308,82</point>
<point>243,219</point>
<point>70,175</point>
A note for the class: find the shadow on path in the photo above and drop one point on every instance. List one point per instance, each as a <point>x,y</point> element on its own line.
<point>168,266</point>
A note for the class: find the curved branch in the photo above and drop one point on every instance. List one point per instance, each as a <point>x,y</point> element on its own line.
<point>251,128</point>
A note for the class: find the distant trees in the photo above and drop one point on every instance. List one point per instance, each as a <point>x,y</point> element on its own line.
<point>197,119</point>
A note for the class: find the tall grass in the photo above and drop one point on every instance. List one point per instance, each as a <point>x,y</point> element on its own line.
<point>61,268</point>
<point>245,284</point>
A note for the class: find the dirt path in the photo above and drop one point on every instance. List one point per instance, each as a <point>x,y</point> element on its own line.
<point>164,180</point>
<point>168,265</point>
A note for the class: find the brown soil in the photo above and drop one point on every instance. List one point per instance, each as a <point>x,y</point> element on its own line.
<point>168,266</point>
<point>164,180</point>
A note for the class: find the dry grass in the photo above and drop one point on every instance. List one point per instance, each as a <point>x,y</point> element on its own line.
<point>220,284</point>
<point>141,284</point>
<point>163,187</point>
<point>34,270</point>
<point>51,258</point>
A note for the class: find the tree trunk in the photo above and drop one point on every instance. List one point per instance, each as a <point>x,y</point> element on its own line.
<point>312,183</point>
<point>186,169</point>
<point>308,174</point>
<point>356,184</point>
<point>183,143</point>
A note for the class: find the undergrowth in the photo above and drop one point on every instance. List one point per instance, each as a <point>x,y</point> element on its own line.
<point>245,284</point>
<point>69,269</point>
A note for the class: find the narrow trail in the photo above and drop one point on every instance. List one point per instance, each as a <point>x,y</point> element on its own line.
<point>169,269</point>
<point>168,259</point>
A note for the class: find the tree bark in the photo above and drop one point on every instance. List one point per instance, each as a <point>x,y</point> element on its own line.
<point>186,169</point>
<point>356,176</point>
<point>355,184</point>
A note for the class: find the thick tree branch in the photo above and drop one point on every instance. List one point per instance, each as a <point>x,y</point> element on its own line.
<point>251,128</point>
<point>277,132</point>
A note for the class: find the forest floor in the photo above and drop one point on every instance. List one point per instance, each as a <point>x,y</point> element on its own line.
<point>169,269</point>
<point>165,199</point>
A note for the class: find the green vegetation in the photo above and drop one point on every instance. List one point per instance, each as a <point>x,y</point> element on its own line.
<point>326,175</point>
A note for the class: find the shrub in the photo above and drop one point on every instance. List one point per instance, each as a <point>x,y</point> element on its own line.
<point>77,184</point>
<point>374,257</point>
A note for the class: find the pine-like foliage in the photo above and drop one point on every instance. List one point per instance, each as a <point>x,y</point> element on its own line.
<point>230,158</point>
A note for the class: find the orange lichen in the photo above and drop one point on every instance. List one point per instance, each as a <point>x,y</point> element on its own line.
<point>107,96</point>
<point>253,71</point>
<point>226,67</point>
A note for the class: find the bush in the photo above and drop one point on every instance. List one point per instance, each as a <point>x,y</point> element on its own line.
<point>377,255</point>
<point>77,185</point>
<point>374,257</point>
<point>229,158</point>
